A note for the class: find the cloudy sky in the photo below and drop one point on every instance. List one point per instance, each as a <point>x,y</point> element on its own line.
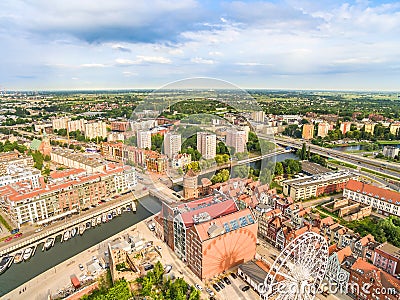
<point>292,44</point>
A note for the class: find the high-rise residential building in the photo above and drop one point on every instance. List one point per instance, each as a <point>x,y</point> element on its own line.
<point>144,139</point>
<point>258,116</point>
<point>237,139</point>
<point>172,144</point>
<point>323,129</point>
<point>345,127</point>
<point>77,125</point>
<point>308,131</point>
<point>207,144</point>
<point>60,123</point>
<point>95,129</point>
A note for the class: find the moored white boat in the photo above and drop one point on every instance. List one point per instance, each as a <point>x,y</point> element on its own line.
<point>98,220</point>
<point>18,257</point>
<point>74,231</point>
<point>5,263</point>
<point>89,224</point>
<point>66,235</point>
<point>104,218</point>
<point>119,210</point>
<point>82,229</point>
<point>109,216</point>
<point>48,243</point>
<point>27,253</point>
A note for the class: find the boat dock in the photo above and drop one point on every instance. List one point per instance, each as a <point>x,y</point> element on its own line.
<point>41,237</point>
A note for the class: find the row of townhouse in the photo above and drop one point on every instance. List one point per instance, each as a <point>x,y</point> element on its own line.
<point>151,160</point>
<point>64,195</point>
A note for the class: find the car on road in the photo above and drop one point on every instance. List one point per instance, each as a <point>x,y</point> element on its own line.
<point>198,287</point>
<point>227,281</point>
<point>39,229</point>
<point>245,288</point>
<point>159,248</point>
<point>148,267</point>
<point>167,269</point>
<point>14,231</point>
<point>8,239</point>
<point>210,292</point>
<point>81,267</point>
<point>221,285</point>
<point>18,235</point>
<point>216,287</point>
<point>234,276</point>
<point>95,259</point>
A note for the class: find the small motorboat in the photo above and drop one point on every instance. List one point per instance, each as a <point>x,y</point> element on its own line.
<point>27,253</point>
<point>18,257</point>
<point>48,243</point>
<point>109,216</point>
<point>5,263</point>
<point>114,213</point>
<point>133,206</point>
<point>88,224</point>
<point>99,220</point>
<point>66,235</point>
<point>82,229</point>
<point>73,232</point>
<point>128,208</point>
<point>104,218</point>
<point>119,211</point>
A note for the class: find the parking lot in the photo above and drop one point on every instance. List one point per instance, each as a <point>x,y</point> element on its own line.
<point>234,290</point>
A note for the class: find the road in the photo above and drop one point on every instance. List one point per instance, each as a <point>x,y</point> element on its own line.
<point>387,168</point>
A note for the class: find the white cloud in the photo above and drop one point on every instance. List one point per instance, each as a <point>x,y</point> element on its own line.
<point>199,60</point>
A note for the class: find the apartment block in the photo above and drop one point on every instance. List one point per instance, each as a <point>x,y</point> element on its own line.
<point>386,202</point>
<point>316,185</point>
<point>237,139</point>
<point>172,144</point>
<point>143,139</point>
<point>308,131</point>
<point>207,144</point>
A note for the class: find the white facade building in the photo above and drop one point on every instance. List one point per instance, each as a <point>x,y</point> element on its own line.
<point>144,139</point>
<point>172,144</point>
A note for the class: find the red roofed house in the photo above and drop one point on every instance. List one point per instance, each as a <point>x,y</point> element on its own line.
<point>368,282</point>
<point>385,201</point>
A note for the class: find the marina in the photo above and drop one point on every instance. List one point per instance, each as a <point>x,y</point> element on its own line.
<point>41,261</point>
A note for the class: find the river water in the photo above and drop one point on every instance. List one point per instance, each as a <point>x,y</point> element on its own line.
<point>20,273</point>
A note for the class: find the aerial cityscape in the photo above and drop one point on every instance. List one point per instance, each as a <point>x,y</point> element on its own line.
<point>200,150</point>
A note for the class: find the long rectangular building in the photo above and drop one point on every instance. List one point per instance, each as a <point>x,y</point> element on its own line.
<point>316,185</point>
<point>386,202</point>
<point>23,204</point>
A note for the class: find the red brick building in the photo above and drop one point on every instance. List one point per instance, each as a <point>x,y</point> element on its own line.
<point>368,282</point>
<point>387,257</point>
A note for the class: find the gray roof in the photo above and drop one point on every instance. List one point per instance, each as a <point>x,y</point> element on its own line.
<point>255,272</point>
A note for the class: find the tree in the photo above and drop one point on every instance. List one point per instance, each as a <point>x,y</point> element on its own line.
<point>279,169</point>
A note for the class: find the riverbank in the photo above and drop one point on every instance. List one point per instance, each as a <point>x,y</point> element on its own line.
<point>20,273</point>
<point>58,277</point>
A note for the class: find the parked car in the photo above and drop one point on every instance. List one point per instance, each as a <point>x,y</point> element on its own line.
<point>167,269</point>
<point>148,267</point>
<point>95,259</point>
<point>18,235</point>
<point>221,285</point>
<point>227,281</point>
<point>210,292</point>
<point>14,231</point>
<point>245,288</point>
<point>81,267</point>
<point>8,239</point>
<point>216,287</point>
<point>198,287</point>
<point>234,276</point>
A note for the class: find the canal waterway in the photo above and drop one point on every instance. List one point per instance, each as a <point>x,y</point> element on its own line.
<point>20,273</point>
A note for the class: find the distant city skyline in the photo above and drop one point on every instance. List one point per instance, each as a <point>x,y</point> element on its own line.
<point>297,45</point>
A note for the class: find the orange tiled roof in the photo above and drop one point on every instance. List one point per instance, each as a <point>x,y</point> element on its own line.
<point>373,191</point>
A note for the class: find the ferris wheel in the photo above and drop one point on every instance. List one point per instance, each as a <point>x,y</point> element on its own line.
<point>299,270</point>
